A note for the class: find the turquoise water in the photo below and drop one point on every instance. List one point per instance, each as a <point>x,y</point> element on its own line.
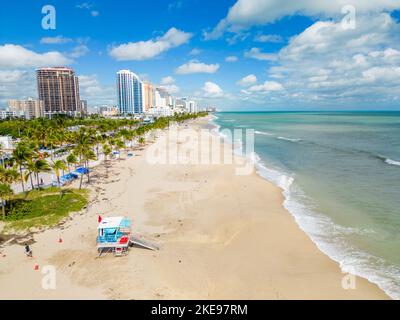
<point>340,172</point>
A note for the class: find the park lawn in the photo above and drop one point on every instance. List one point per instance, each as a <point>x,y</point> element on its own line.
<point>43,208</point>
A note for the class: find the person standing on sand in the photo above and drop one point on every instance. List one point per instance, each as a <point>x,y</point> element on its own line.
<point>28,250</point>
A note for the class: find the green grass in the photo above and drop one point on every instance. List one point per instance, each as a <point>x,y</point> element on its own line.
<point>41,208</point>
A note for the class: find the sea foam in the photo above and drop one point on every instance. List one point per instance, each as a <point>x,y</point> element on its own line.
<point>392,162</point>
<point>264,133</point>
<point>289,139</point>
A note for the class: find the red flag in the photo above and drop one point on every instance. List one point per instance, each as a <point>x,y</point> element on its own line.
<point>99,219</point>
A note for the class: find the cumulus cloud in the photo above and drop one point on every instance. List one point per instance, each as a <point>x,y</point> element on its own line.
<point>16,84</point>
<point>96,93</point>
<point>195,52</point>
<point>231,59</point>
<point>149,49</point>
<point>197,67</point>
<point>167,80</point>
<point>247,80</point>
<point>266,87</point>
<point>16,56</point>
<point>256,53</point>
<point>79,51</point>
<point>327,63</point>
<point>212,90</point>
<point>55,40</point>
<point>171,88</point>
<point>246,13</point>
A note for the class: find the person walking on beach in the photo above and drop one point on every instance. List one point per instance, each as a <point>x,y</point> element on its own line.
<point>28,250</point>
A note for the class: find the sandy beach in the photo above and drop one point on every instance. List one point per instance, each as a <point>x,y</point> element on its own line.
<point>221,236</point>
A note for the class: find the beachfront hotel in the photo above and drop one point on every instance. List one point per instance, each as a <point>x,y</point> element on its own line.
<point>130,93</point>
<point>29,108</point>
<point>148,96</point>
<point>58,88</point>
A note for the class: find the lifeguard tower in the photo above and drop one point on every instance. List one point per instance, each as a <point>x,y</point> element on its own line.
<point>114,235</point>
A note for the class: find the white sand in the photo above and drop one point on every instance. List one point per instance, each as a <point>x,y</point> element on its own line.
<point>222,236</point>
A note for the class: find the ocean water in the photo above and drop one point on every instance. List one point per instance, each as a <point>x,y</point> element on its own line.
<point>340,174</point>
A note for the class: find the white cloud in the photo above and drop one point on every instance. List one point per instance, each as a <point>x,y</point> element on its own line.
<point>256,53</point>
<point>247,81</point>
<point>326,63</point>
<point>167,80</point>
<point>79,51</point>
<point>266,87</point>
<point>275,38</point>
<point>149,49</point>
<point>171,88</point>
<point>10,76</point>
<point>246,13</point>
<point>231,59</point>
<point>16,84</point>
<point>97,94</point>
<point>89,7</point>
<point>196,67</point>
<point>195,52</point>
<point>16,56</point>
<point>212,90</point>
<point>55,40</point>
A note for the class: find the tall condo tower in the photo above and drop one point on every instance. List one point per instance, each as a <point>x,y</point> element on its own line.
<point>58,88</point>
<point>130,93</point>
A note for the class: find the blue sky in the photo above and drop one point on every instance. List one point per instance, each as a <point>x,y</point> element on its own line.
<point>233,54</point>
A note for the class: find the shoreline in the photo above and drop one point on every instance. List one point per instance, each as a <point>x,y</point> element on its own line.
<point>283,181</point>
<point>222,237</point>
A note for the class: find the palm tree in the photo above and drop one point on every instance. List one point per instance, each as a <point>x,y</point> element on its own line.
<point>7,177</point>
<point>57,166</point>
<point>82,144</point>
<point>40,165</point>
<point>30,166</point>
<point>5,193</point>
<point>119,144</point>
<point>106,151</point>
<point>71,160</point>
<point>2,153</point>
<point>21,155</point>
<point>88,155</point>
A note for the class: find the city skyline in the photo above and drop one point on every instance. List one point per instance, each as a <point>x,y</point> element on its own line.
<point>234,54</point>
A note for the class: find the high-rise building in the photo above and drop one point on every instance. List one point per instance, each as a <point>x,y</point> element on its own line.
<point>130,95</point>
<point>58,88</point>
<point>148,96</point>
<point>192,106</point>
<point>30,108</point>
<point>183,104</point>
<point>83,107</point>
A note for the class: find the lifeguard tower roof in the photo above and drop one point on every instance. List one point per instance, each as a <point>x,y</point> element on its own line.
<point>110,222</point>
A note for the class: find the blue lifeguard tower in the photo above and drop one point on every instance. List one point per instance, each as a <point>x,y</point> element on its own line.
<point>114,235</point>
